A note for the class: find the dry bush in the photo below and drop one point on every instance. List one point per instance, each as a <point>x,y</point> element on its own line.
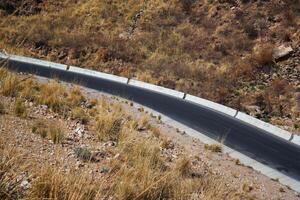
<point>263,54</point>
<point>40,127</point>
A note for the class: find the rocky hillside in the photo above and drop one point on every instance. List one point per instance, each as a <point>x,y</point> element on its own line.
<point>242,53</point>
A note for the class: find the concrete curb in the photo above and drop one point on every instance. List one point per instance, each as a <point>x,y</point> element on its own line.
<point>211,105</point>
<point>296,139</point>
<point>156,88</point>
<point>265,126</point>
<point>98,74</point>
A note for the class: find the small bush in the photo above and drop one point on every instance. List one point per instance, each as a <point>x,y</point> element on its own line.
<point>263,55</point>
<point>217,148</point>
<point>83,153</point>
<point>20,109</point>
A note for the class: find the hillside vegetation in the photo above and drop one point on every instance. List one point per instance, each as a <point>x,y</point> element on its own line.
<point>217,49</point>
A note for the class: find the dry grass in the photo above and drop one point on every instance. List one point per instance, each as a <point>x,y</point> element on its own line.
<point>45,130</point>
<point>54,96</point>
<point>9,84</point>
<point>217,148</point>
<point>52,184</point>
<point>80,114</point>
<point>20,109</point>
<point>109,122</point>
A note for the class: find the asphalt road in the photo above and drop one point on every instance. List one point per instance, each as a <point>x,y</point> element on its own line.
<point>247,139</point>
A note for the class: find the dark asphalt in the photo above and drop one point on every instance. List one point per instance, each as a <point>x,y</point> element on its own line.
<point>247,139</point>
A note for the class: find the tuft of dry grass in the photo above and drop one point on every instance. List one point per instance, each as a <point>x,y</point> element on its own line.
<point>183,167</point>
<point>80,114</point>
<point>20,109</point>
<point>54,96</point>
<point>217,148</point>
<point>75,98</point>
<point>9,84</point>
<point>54,133</point>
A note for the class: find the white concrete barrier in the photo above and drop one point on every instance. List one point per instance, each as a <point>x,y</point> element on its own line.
<point>156,88</point>
<point>296,140</point>
<point>263,125</point>
<point>98,74</point>
<point>3,56</point>
<point>211,105</point>
<point>39,62</point>
<point>29,60</point>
